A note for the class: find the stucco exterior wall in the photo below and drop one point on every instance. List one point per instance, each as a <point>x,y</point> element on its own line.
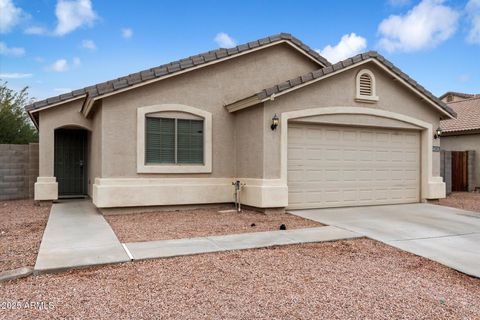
<point>51,119</point>
<point>357,120</point>
<point>66,115</point>
<point>248,141</point>
<point>95,149</point>
<point>244,146</point>
<point>465,143</point>
<point>208,89</point>
<point>339,91</point>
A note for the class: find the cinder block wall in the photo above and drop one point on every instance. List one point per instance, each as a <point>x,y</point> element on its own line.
<point>18,170</point>
<point>471,171</point>
<point>446,169</point>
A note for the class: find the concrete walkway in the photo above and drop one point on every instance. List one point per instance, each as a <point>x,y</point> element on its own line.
<point>181,247</point>
<point>447,235</point>
<point>77,235</point>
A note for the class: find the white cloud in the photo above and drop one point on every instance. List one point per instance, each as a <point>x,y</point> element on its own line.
<point>224,40</point>
<point>349,45</point>
<point>73,14</point>
<point>15,75</point>
<point>62,90</point>
<point>89,44</point>
<point>473,14</point>
<point>61,65</point>
<point>127,33</point>
<point>10,15</point>
<point>10,51</point>
<point>425,26</point>
<point>36,30</point>
<point>39,59</point>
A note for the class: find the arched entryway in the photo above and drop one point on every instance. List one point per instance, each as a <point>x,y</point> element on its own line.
<point>70,161</point>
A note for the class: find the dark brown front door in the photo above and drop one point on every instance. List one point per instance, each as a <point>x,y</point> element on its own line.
<point>459,171</point>
<point>71,162</point>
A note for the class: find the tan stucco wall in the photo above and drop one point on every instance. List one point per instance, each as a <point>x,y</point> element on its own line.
<point>248,140</point>
<point>208,89</point>
<point>51,119</point>
<point>357,120</point>
<point>95,149</point>
<point>244,146</point>
<point>464,143</point>
<point>340,91</point>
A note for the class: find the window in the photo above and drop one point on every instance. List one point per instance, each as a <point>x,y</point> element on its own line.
<point>174,141</point>
<point>449,98</point>
<point>174,138</point>
<point>366,91</point>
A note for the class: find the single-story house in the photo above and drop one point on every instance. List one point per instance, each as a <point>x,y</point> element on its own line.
<point>461,137</point>
<point>295,130</point>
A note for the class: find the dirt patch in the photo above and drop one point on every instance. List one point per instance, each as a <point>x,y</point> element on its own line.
<point>21,231</point>
<point>462,200</point>
<point>199,223</point>
<point>352,279</point>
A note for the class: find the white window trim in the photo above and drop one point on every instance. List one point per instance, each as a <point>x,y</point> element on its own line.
<point>362,98</point>
<point>142,167</point>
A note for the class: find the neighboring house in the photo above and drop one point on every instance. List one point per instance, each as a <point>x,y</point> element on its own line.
<point>461,136</point>
<point>452,96</point>
<point>272,113</point>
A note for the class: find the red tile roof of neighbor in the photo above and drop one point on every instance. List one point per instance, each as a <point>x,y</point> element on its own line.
<point>468,116</point>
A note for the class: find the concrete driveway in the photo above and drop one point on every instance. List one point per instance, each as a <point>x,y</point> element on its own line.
<point>447,235</point>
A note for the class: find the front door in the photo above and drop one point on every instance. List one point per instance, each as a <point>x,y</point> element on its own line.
<point>70,162</point>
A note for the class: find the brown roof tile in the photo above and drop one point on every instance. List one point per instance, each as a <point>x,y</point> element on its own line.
<point>468,116</point>
<point>175,66</point>
<point>311,76</point>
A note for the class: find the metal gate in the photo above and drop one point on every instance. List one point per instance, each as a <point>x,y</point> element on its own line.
<point>70,162</point>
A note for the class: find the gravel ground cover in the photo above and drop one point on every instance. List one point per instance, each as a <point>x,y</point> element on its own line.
<point>350,279</point>
<point>462,200</point>
<point>198,223</point>
<point>21,230</point>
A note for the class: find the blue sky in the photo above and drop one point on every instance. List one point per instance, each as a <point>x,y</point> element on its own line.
<point>57,45</point>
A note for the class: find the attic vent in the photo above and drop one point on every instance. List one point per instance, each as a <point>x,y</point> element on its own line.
<point>365,85</point>
<point>366,91</point>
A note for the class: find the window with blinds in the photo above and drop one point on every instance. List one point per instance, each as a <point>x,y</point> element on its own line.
<point>173,141</point>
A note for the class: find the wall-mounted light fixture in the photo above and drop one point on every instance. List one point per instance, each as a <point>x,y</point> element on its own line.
<point>274,122</point>
<point>438,133</point>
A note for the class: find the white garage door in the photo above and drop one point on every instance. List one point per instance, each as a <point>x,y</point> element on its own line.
<point>336,166</point>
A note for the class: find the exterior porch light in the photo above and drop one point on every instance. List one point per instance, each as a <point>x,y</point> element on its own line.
<point>438,133</point>
<point>274,122</point>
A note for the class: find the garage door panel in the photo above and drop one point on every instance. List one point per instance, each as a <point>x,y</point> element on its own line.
<point>345,166</point>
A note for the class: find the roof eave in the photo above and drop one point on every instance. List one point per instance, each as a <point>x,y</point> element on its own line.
<point>90,101</point>
<point>242,104</point>
<point>460,132</point>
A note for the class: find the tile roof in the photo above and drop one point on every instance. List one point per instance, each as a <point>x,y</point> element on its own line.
<point>173,67</point>
<point>320,73</point>
<point>468,116</point>
<point>459,94</point>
